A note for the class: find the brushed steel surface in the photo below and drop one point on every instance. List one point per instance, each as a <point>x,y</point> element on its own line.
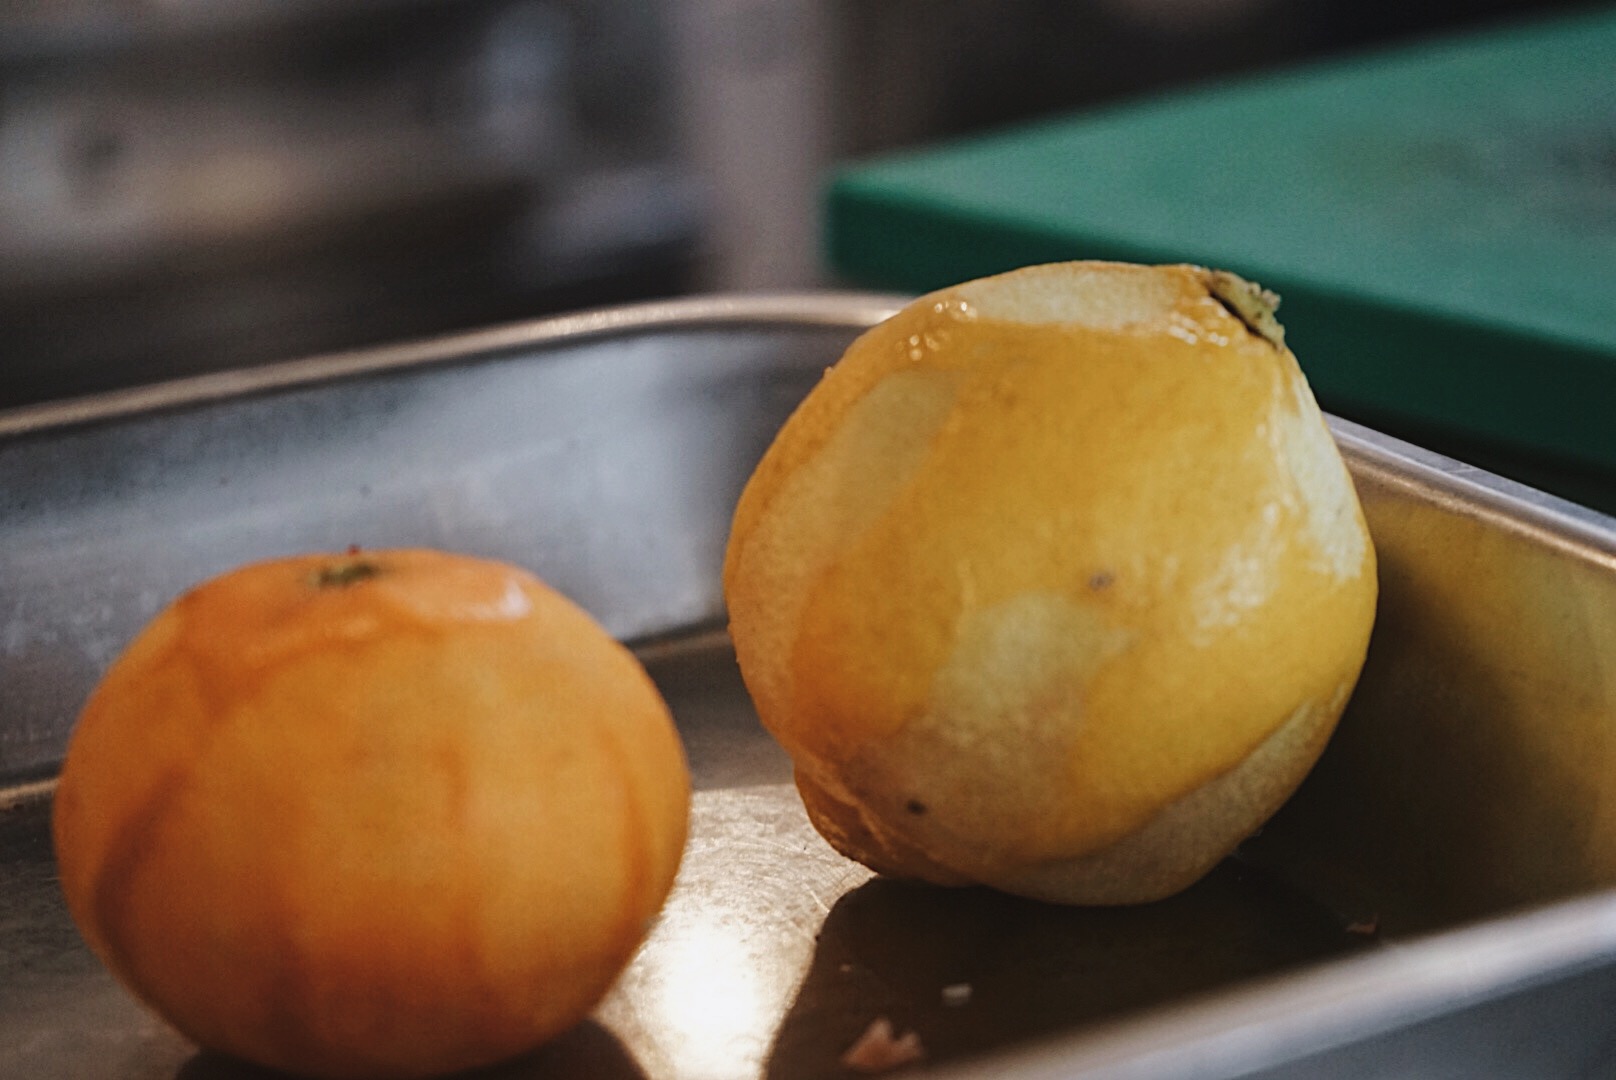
<point>1437,901</point>
<point>603,450</point>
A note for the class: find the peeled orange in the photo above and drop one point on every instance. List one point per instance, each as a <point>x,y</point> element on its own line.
<point>1055,583</point>
<point>386,814</point>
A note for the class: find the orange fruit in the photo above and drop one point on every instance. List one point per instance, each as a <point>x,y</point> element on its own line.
<point>1056,582</point>
<point>385,814</point>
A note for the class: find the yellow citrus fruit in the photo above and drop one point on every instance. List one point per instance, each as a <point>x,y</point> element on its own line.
<point>1055,583</point>
<point>385,814</point>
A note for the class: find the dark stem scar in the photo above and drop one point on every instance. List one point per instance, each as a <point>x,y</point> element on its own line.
<point>1249,302</point>
<point>337,575</point>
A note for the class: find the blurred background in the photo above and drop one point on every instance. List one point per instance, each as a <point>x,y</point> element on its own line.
<point>196,184</point>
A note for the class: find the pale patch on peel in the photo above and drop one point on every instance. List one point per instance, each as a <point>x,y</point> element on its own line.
<point>1243,581</point>
<point>1011,659</point>
<point>1009,701</point>
<point>835,495</point>
<point>892,424</point>
<point>1183,333</point>
<point>511,603</point>
<point>1105,297</point>
<point>1197,324</point>
<point>1190,327</point>
<point>1329,502</point>
<point>1192,834</point>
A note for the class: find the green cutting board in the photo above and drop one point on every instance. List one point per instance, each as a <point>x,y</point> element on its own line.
<point>1440,221</point>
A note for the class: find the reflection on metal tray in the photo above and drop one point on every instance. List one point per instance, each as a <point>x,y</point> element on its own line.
<point>1436,901</point>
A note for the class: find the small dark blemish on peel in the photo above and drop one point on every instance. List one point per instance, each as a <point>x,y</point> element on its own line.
<point>915,806</point>
<point>1102,580</point>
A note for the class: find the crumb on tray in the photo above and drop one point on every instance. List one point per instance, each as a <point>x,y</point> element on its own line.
<point>956,994</point>
<point>879,1049</point>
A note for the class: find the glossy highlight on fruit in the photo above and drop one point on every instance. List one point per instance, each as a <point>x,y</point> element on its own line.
<point>1055,583</point>
<point>393,813</point>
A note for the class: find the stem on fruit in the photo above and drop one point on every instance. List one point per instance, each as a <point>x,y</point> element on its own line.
<point>1250,303</point>
<point>342,574</point>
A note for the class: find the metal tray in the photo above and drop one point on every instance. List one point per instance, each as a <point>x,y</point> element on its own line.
<point>1435,902</point>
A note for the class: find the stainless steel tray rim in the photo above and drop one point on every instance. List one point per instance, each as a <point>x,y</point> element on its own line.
<point>1469,489</point>
<point>1472,492</point>
<point>854,310</point>
<point>1287,1017</point>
